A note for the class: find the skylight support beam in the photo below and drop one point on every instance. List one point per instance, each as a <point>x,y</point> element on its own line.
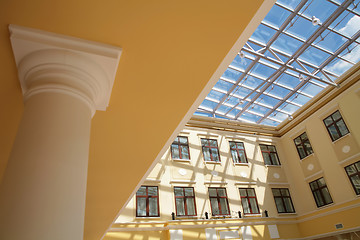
<point>297,53</point>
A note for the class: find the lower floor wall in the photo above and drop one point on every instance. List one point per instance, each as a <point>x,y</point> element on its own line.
<point>333,221</point>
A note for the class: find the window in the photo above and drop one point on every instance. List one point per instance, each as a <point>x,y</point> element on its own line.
<point>180,148</point>
<point>303,145</point>
<point>283,200</point>
<point>269,154</point>
<point>147,202</point>
<point>321,192</point>
<point>210,150</point>
<point>353,171</point>
<point>238,152</point>
<point>219,202</point>
<point>336,126</point>
<point>249,201</point>
<point>185,201</point>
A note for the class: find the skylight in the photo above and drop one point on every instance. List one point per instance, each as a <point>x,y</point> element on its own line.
<point>300,48</point>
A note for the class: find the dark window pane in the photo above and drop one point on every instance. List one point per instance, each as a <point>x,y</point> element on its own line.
<point>175,151</point>
<point>212,192</point>
<point>221,192</point>
<point>245,205</point>
<point>141,191</point>
<point>224,206</point>
<point>234,156</point>
<point>152,191</point>
<point>342,127</point>
<point>178,192</point>
<point>276,192</point>
<point>267,158</point>
<point>214,206</point>
<point>141,207</point>
<point>242,157</point>
<point>153,207</point>
<point>180,207</point>
<point>328,121</point>
<point>336,115</point>
<point>288,205</point>
<point>190,204</point>
<point>253,205</point>
<point>206,154</point>
<point>356,183</point>
<point>333,132</point>
<point>189,192</point>
<point>351,169</point>
<point>279,205</point>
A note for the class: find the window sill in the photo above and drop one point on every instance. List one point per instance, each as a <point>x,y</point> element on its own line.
<point>308,156</point>
<point>276,166</point>
<point>181,160</point>
<point>211,162</point>
<point>325,206</point>
<point>252,215</point>
<point>241,164</point>
<point>220,216</point>
<point>185,217</point>
<point>286,214</point>
<point>339,139</point>
<point>148,218</point>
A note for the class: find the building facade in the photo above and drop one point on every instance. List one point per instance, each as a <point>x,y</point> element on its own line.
<point>221,180</point>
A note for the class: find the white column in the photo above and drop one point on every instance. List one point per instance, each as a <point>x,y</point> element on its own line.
<point>64,81</point>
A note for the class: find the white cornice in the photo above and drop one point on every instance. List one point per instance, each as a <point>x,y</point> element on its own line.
<point>49,62</point>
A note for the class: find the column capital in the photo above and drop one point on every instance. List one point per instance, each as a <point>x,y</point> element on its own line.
<point>49,62</point>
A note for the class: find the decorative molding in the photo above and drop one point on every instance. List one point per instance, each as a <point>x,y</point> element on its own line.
<point>314,175</point>
<point>215,182</point>
<point>278,183</point>
<point>153,180</point>
<point>347,160</point>
<point>182,181</point>
<point>245,183</point>
<point>49,62</point>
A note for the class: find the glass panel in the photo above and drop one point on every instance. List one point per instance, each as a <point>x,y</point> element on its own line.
<point>350,169</point>
<point>175,151</point>
<point>274,158</point>
<point>277,91</point>
<point>356,183</point>
<point>302,28</point>
<point>251,192</point>
<point>342,127</point>
<point>279,205</point>
<point>297,141</point>
<point>263,148</point>
<point>232,145</point>
<point>290,3</point>
<point>245,205</point>
<point>223,205</point>
<point>231,74</point>
<point>330,41</point>
<point>253,205</point>
<point>321,182</point>
<point>178,192</point>
<point>153,207</point>
<point>206,152</point>
<point>213,143</point>
<point>262,70</point>
<point>185,152</point>
<point>243,192</point>
<point>240,145</point>
<point>204,141</point>
<point>209,105</point>
<point>276,16</point>
<point>189,192</point>
<point>318,199</point>
<point>272,148</point>
<point>180,207</point>
<point>267,158</point>
<point>241,63</point>
<point>308,148</point>
<point>286,44</point>
<point>347,23</point>
<point>152,191</point>
<point>311,89</point>
<point>358,166</point>
<point>214,206</point>
<point>141,207</point>
<point>234,156</point>
<point>326,195</point>
<point>288,205</point>
<point>276,192</point>
<point>301,152</point>
<point>322,9</point>
<point>190,205</point>
<point>251,82</point>
<point>285,192</point>
<point>214,154</point>
<point>212,192</point>
<point>328,121</point>
<point>242,157</point>
<point>313,185</point>
<point>141,191</point>
<point>262,34</point>
<point>223,85</point>
<point>314,56</point>
<point>221,192</point>
<point>333,132</point>
<point>183,140</point>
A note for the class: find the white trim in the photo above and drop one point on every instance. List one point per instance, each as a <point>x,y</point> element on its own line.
<point>208,135</point>
<point>245,183</point>
<point>181,160</point>
<point>215,182</point>
<point>182,181</point>
<point>152,180</point>
<point>314,176</point>
<point>345,161</point>
<point>278,183</point>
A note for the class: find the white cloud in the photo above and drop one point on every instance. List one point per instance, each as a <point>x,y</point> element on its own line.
<point>341,66</point>
<point>351,27</point>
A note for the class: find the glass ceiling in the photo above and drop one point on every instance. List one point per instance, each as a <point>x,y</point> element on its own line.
<point>301,47</point>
